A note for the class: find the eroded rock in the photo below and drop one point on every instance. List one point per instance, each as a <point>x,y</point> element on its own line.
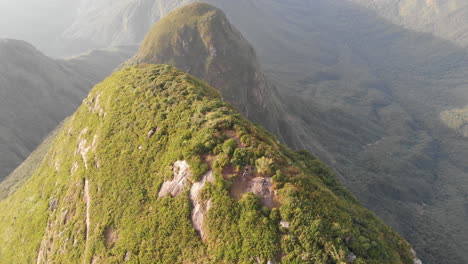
<point>74,167</point>
<point>182,173</point>
<point>83,147</point>
<point>53,204</point>
<point>127,256</point>
<point>94,105</point>
<point>415,260</point>
<point>284,224</point>
<point>263,188</point>
<point>200,207</point>
<point>350,258</point>
<point>151,132</point>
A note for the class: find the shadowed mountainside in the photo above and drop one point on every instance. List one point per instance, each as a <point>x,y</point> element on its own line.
<point>37,93</point>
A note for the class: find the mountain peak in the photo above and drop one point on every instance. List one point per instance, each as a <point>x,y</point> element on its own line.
<point>198,17</point>
<point>155,168</point>
<point>200,40</point>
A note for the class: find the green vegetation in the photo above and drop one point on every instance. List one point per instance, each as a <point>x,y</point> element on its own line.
<point>95,196</point>
<point>264,166</point>
<point>199,40</point>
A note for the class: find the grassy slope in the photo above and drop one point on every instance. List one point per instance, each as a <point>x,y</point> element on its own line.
<point>124,170</point>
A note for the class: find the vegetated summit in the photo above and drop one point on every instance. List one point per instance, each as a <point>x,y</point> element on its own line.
<point>198,39</point>
<point>155,168</point>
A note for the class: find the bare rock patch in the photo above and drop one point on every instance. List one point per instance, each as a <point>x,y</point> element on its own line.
<point>200,207</point>
<point>182,174</point>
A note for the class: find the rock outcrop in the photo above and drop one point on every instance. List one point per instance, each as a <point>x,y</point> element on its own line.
<point>200,207</point>
<point>180,181</point>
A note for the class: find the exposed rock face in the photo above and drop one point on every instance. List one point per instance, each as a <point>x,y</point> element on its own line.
<point>83,148</point>
<point>263,188</point>
<point>200,207</point>
<point>284,224</point>
<point>127,256</point>
<point>182,173</point>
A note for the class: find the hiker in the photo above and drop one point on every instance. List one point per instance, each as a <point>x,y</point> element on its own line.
<point>246,171</point>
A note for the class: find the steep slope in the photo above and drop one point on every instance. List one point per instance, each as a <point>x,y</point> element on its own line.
<point>155,168</point>
<point>37,93</point>
<point>25,171</point>
<point>413,171</point>
<point>198,39</point>
<point>376,90</point>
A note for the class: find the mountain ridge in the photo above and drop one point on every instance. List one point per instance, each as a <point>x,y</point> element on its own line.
<point>101,200</point>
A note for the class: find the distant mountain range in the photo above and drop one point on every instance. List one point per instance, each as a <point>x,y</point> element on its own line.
<point>441,18</point>
<point>37,93</point>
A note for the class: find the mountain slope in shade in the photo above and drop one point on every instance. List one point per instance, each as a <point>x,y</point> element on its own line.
<point>37,93</point>
<point>443,18</point>
<point>25,171</point>
<point>155,168</point>
<point>198,39</point>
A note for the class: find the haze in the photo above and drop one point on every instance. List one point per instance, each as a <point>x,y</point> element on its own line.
<point>36,21</point>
